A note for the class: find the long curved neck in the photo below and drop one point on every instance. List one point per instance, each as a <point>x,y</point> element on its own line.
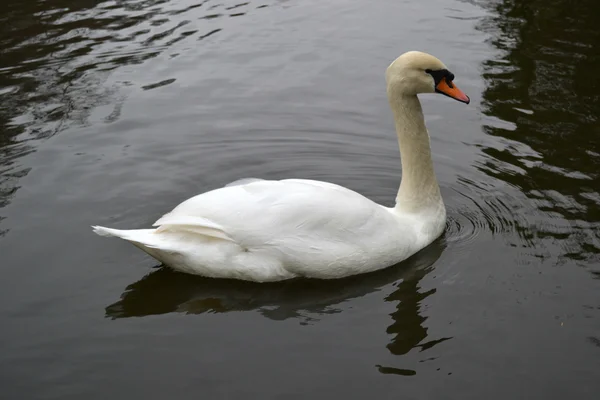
<point>419,188</point>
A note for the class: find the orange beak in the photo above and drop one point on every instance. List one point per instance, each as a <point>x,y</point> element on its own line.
<point>449,89</point>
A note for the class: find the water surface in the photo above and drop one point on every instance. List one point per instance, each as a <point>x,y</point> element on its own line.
<point>112,112</point>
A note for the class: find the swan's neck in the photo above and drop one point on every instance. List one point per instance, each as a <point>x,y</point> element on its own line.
<point>419,189</point>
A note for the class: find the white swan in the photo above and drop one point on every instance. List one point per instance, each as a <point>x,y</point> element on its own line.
<point>261,230</point>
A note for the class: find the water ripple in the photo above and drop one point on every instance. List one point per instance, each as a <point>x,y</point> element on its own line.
<point>479,214</point>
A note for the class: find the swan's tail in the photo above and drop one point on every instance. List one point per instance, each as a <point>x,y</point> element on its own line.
<point>131,235</point>
<point>145,239</point>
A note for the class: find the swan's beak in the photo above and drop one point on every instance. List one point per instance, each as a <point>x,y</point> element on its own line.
<point>449,89</point>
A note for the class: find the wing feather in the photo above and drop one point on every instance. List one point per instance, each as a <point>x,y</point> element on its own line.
<point>199,225</point>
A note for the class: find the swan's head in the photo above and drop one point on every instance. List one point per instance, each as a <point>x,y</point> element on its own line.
<point>416,72</point>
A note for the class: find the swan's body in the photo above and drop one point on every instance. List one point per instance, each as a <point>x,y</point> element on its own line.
<point>274,230</point>
<point>261,230</point>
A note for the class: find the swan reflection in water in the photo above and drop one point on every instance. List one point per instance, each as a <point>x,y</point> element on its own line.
<point>165,291</point>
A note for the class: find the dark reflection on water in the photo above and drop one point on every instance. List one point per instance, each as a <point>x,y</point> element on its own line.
<point>164,291</point>
<point>543,89</point>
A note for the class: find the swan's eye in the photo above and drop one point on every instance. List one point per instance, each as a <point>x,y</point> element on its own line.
<point>449,79</point>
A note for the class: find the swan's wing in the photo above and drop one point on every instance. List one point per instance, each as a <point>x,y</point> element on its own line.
<point>199,225</point>
<point>192,224</point>
<point>260,212</point>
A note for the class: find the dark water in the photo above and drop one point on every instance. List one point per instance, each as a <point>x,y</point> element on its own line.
<point>112,112</point>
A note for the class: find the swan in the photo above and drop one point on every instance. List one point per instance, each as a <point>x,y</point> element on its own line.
<point>272,230</point>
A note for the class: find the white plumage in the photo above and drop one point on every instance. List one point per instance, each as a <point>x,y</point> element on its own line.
<point>263,230</point>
